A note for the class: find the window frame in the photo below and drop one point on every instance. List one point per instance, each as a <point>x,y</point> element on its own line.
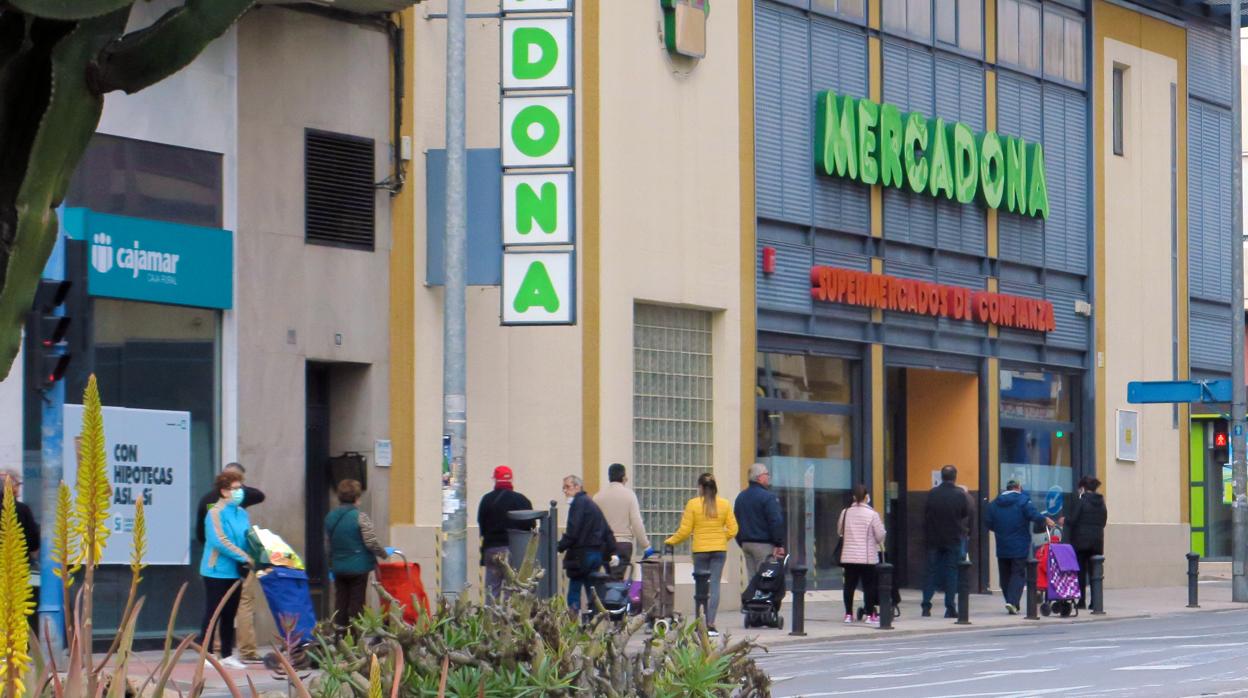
<point>1066,13</point>
<point>1119,103</point>
<point>958,48</point>
<point>838,14</point>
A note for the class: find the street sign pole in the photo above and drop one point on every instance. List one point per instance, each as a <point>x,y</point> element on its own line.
<point>1239,470</point>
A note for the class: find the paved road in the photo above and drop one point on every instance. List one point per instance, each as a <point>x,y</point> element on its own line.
<point>1201,654</point>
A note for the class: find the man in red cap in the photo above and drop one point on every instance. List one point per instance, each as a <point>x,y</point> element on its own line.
<point>493,521</point>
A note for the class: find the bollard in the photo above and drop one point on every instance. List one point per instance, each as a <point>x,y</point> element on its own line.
<point>1193,577</point>
<point>1096,580</point>
<point>885,585</point>
<point>701,592</point>
<point>799,601</point>
<point>1033,613</point>
<point>964,592</point>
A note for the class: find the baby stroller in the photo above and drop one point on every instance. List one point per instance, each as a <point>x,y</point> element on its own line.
<point>614,596</point>
<point>760,602</point>
<point>1057,577</point>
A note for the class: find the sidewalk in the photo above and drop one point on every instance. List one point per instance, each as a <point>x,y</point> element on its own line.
<point>825,613</point>
<point>265,682</point>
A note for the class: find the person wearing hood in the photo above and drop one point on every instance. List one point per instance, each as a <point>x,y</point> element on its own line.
<point>1010,517</point>
<point>1086,526</point>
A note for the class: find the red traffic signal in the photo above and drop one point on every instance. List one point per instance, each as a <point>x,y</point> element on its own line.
<point>52,330</point>
<point>54,367</point>
<point>1219,439</point>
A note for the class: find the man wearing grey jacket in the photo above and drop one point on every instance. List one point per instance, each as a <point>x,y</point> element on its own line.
<point>619,505</point>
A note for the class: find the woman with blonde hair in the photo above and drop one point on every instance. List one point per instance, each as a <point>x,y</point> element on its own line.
<point>708,518</point>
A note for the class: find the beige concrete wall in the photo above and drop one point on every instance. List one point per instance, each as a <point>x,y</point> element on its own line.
<point>669,234</point>
<point>1143,497</point>
<point>524,387</point>
<point>285,284</point>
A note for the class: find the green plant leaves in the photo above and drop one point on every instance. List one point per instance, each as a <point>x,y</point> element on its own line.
<point>69,9</point>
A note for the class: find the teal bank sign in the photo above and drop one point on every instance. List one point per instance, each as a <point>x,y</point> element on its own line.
<point>154,261</point>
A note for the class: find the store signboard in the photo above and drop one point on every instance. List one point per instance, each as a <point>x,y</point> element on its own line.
<point>876,143</point>
<point>538,288</point>
<point>149,458</point>
<point>538,157</point>
<point>147,260</point>
<point>883,292</point>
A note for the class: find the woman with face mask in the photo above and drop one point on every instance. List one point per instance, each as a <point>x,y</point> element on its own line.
<point>224,562</point>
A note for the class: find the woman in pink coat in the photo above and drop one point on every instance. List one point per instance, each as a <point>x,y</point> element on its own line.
<point>862,537</point>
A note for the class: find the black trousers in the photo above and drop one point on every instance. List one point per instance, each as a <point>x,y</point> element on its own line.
<point>866,575</point>
<point>350,591</point>
<point>215,590</point>
<point>1085,567</point>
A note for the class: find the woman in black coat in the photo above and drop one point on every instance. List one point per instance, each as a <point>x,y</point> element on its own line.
<point>1086,529</point>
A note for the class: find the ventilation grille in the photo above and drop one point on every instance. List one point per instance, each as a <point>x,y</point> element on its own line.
<point>340,200</point>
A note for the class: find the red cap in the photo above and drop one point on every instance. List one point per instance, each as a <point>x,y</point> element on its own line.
<point>502,473</point>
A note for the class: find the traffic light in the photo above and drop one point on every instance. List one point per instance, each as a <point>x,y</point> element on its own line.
<point>51,327</point>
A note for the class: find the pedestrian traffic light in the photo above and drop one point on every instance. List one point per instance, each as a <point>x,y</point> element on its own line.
<point>51,327</point>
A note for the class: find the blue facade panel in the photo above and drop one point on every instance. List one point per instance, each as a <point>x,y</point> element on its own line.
<point>1066,165</point>
<point>1209,64</point>
<point>909,83</point>
<point>1020,113</point>
<point>787,289</point>
<point>1209,201</point>
<point>1210,331</point>
<point>485,216</point>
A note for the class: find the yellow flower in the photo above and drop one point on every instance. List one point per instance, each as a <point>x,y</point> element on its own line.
<point>374,679</point>
<point>140,540</point>
<point>15,601</point>
<point>64,538</point>
<point>94,491</point>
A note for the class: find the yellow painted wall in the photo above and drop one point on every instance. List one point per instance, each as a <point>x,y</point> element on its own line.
<point>942,426</point>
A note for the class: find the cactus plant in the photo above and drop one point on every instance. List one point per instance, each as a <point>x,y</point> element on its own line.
<point>58,58</point>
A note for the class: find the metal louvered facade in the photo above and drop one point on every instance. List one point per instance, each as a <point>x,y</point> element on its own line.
<point>340,197</point>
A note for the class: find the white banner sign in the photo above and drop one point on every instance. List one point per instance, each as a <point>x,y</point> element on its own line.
<point>537,288</point>
<point>537,131</point>
<point>537,209</point>
<point>536,54</point>
<point>149,457</point>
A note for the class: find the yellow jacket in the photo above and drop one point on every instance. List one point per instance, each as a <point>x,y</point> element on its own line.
<point>709,535</point>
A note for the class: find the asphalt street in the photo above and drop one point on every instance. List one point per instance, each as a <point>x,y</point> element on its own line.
<point>1198,654</point>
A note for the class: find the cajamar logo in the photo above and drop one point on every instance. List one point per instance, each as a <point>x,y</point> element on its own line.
<point>102,252</point>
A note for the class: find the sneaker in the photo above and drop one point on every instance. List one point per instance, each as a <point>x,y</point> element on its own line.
<point>233,662</point>
<point>711,631</point>
<point>873,619</point>
<point>252,658</point>
<point>1011,609</point>
<point>849,618</point>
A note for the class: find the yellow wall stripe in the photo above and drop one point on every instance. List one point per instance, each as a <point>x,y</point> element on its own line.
<point>403,320</point>
<point>990,104</point>
<point>591,211</point>
<point>876,76</point>
<point>879,479</point>
<point>745,197</point>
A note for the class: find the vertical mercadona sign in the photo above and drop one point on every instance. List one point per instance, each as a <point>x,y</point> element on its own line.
<point>538,152</point>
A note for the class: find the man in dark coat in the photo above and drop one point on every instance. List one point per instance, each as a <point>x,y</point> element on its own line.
<point>1086,525</point>
<point>494,522</point>
<point>587,541</point>
<point>946,518</point>
<point>1010,517</point>
<point>760,522</point>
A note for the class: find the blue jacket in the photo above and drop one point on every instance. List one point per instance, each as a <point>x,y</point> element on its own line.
<point>759,520</point>
<point>225,543</point>
<point>1010,517</point>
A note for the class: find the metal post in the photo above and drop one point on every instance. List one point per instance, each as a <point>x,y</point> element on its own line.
<point>1096,580</point>
<point>1239,470</point>
<point>1193,579</point>
<point>1033,613</point>
<point>799,601</point>
<point>964,592</point>
<point>550,553</point>
<point>885,585</point>
<point>701,592</point>
<point>455,262</point>
<point>51,608</point>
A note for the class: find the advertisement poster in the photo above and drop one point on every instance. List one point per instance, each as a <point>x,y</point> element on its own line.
<point>149,457</point>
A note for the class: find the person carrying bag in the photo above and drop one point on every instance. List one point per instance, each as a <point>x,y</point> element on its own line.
<point>862,539</point>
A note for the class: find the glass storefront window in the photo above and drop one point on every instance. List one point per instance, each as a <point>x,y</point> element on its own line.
<point>804,377</point>
<point>1037,436</point>
<point>159,357</point>
<point>806,425</point>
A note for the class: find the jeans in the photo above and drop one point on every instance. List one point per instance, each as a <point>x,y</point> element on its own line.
<point>866,574</point>
<point>755,555</point>
<point>942,570</point>
<point>494,559</point>
<point>1012,571</point>
<point>590,563</point>
<point>215,589</point>
<point>713,563</point>
<point>350,592</point>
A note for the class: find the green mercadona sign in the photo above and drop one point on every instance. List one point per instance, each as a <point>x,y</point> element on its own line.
<point>878,144</point>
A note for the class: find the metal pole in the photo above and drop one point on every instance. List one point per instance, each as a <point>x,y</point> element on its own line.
<point>1032,611</point>
<point>885,586</point>
<point>1193,580</point>
<point>51,608</point>
<point>798,624</point>
<point>1239,582</point>
<point>1096,579</point>
<point>964,592</point>
<point>455,261</point>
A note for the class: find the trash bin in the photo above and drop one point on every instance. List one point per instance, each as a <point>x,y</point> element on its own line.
<point>518,544</point>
